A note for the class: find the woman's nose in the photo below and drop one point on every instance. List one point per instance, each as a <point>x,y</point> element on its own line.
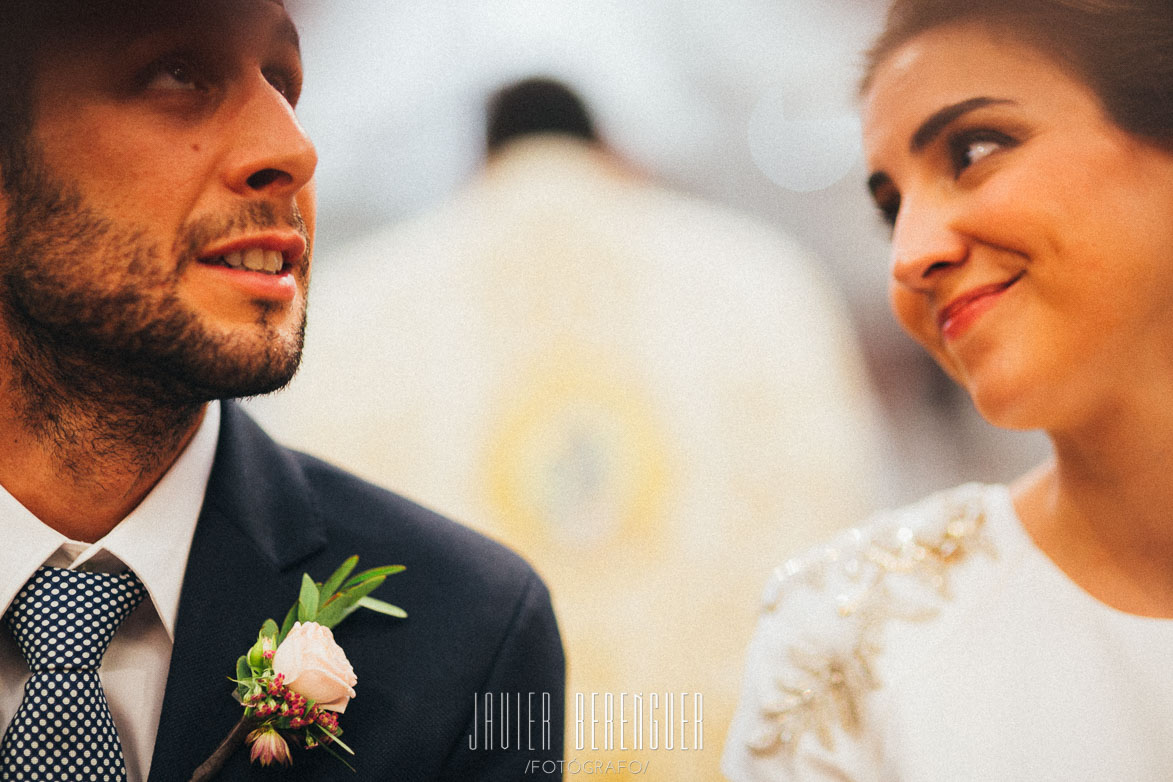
<point>925,243</point>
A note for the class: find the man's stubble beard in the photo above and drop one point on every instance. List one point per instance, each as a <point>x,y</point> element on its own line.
<point>97,331</point>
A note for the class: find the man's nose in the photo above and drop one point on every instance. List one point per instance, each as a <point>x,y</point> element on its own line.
<point>270,153</point>
<point>926,242</point>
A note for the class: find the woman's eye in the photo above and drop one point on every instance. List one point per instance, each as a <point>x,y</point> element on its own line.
<point>885,196</point>
<point>978,150</point>
<point>889,208</point>
<point>969,148</point>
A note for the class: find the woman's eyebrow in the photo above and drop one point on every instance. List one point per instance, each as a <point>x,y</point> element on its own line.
<point>940,119</point>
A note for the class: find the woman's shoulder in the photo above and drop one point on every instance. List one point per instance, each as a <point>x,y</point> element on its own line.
<point>813,659</point>
<point>916,545</point>
<point>921,540</point>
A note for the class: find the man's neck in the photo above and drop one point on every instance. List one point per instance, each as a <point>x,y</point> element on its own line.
<point>82,456</point>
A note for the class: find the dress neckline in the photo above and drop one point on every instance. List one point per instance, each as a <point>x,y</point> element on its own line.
<point>1001,512</point>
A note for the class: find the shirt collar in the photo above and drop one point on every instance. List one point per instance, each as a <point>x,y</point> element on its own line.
<point>153,540</point>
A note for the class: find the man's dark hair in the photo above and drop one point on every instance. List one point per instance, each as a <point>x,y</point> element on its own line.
<point>538,105</point>
<point>22,31</point>
<point>1122,49</point>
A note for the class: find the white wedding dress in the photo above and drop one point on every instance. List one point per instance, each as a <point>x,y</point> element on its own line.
<point>938,643</point>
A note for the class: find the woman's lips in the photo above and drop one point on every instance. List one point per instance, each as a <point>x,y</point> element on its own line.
<point>959,314</point>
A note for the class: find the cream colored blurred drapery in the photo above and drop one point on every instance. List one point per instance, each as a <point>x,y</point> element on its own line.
<point>653,399</point>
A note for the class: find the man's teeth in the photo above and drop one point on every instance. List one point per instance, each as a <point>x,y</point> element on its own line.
<point>255,259</point>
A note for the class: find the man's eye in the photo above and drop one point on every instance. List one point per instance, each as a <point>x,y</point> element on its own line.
<point>173,75</point>
<point>968,148</point>
<point>285,82</point>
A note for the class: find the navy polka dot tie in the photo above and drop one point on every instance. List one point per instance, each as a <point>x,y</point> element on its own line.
<point>63,621</point>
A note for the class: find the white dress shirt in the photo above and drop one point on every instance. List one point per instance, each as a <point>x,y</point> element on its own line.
<point>153,541</point>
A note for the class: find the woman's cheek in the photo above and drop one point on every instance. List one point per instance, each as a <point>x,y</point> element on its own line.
<point>912,313</point>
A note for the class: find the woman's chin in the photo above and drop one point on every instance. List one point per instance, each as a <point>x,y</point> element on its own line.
<point>1011,409</point>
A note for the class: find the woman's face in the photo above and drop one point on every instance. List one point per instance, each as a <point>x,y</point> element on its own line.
<point>1032,241</point>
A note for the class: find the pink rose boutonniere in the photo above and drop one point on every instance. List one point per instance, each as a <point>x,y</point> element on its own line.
<point>295,680</point>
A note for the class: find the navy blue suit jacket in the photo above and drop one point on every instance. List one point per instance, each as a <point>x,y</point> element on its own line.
<point>479,620</point>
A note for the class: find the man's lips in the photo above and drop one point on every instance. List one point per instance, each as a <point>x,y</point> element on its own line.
<point>271,253</point>
<point>959,313</point>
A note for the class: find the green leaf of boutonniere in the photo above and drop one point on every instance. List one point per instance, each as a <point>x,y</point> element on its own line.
<point>307,602</point>
<point>243,670</point>
<point>331,614</point>
<point>335,605</point>
<point>335,580</point>
<point>287,624</point>
<point>343,604</point>
<point>374,572</point>
<point>382,607</point>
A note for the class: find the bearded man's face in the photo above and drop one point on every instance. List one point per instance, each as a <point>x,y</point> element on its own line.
<point>159,223</point>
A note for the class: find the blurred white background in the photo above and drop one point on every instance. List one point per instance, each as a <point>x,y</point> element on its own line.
<point>749,103</point>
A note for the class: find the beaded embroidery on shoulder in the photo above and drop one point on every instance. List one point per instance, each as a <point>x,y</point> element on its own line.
<point>821,688</point>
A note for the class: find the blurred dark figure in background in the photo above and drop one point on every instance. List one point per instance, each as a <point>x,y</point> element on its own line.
<point>537,106</point>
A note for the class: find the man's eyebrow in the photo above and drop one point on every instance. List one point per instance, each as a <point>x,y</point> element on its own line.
<point>940,119</point>
<point>288,32</point>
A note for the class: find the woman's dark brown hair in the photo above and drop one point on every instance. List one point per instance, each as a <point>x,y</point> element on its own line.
<point>1122,49</point>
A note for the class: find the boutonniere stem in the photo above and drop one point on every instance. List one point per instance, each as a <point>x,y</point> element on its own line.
<point>210,767</point>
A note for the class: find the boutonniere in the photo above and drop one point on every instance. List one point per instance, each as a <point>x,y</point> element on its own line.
<point>295,680</point>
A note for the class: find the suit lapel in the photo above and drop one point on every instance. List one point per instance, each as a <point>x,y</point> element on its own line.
<point>256,525</point>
